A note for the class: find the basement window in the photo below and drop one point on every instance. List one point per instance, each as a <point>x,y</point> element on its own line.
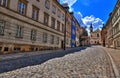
<point>6,49</point>
<point>17,49</point>
<point>0,49</point>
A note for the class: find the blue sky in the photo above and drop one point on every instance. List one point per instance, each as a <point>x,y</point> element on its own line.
<point>91,11</point>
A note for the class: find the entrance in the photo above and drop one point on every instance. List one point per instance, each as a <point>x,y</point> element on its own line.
<point>0,50</point>
<point>62,44</point>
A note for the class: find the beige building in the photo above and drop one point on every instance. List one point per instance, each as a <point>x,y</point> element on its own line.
<point>116,25</point>
<point>68,29</point>
<point>112,28</point>
<point>95,36</point>
<point>31,25</point>
<point>109,33</point>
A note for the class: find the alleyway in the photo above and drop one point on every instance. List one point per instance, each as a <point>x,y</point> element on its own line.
<point>92,62</point>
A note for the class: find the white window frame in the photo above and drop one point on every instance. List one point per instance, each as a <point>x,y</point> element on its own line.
<point>35,13</point>
<point>19,33</point>
<point>33,34</point>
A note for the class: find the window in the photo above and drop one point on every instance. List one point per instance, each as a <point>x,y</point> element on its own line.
<point>45,37</point>
<point>6,49</point>
<point>4,3</point>
<point>57,42</point>
<point>33,34</point>
<point>52,39</point>
<point>19,33</point>
<point>17,49</point>
<point>47,4</point>
<point>58,25</point>
<point>97,35</point>
<point>53,22</point>
<point>73,31</point>
<point>35,13</point>
<point>22,5</point>
<point>38,0</point>
<point>59,13</point>
<point>2,26</point>
<point>46,18</point>
<point>63,17</point>
<point>63,29</point>
<point>0,49</point>
<point>53,9</point>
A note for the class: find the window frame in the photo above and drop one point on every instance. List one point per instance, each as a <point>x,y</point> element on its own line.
<point>53,22</point>
<point>20,10</point>
<point>33,34</point>
<point>2,28</point>
<point>6,3</point>
<point>54,9</point>
<point>19,34</point>
<point>45,36</point>
<point>59,13</point>
<point>35,16</point>
<point>58,25</point>
<point>46,16</point>
<point>57,40</point>
<point>47,4</point>
<point>52,39</point>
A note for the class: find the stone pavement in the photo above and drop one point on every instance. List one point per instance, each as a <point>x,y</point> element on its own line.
<point>92,62</point>
<point>11,62</point>
<point>115,54</point>
<point>27,54</point>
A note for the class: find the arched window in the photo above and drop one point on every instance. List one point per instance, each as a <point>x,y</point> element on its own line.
<point>97,35</point>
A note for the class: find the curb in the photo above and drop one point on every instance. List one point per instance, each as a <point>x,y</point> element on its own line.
<point>115,70</point>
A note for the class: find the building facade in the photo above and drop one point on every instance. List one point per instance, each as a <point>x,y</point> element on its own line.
<point>33,25</point>
<point>84,39</point>
<point>73,43</point>
<point>78,31</point>
<point>116,25</point>
<point>68,29</point>
<point>95,36</point>
<point>112,28</point>
<point>27,25</point>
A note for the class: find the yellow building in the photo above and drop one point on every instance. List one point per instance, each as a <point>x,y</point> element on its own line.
<point>31,25</point>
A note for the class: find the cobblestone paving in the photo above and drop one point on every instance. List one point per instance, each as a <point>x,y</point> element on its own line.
<point>89,63</point>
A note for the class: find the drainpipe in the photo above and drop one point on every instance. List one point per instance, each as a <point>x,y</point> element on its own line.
<point>65,31</point>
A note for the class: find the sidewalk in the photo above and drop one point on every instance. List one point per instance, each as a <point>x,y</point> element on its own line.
<point>115,54</point>
<point>27,54</point>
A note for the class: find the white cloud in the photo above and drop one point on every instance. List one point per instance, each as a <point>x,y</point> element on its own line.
<point>86,21</point>
<point>70,3</point>
<point>97,22</point>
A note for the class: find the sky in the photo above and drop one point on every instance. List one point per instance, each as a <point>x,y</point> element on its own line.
<point>91,11</point>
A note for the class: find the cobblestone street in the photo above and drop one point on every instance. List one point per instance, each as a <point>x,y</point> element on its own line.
<point>93,62</point>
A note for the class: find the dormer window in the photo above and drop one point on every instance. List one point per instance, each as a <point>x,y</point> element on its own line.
<point>47,4</point>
